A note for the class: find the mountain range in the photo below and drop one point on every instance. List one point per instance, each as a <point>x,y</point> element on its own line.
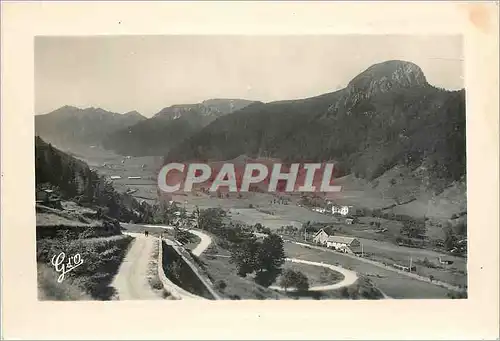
<point>69,125</point>
<point>168,127</point>
<point>387,116</point>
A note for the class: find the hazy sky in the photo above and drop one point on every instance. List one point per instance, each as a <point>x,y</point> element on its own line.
<point>148,73</point>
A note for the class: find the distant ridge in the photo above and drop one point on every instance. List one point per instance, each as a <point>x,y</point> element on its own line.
<point>69,126</point>
<point>171,125</point>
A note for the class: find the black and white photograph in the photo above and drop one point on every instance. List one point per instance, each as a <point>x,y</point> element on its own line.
<point>250,167</point>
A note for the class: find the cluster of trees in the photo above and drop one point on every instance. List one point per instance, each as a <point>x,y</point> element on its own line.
<point>261,229</point>
<point>262,258</point>
<point>312,201</point>
<point>455,237</point>
<point>289,230</point>
<point>414,229</point>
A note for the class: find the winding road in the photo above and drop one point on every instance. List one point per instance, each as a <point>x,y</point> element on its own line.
<point>131,281</point>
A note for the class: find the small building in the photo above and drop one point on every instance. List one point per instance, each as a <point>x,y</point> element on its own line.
<point>445,261</point>
<point>349,221</point>
<point>344,244</point>
<point>47,197</point>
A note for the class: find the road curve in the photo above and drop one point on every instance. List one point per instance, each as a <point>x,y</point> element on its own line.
<point>131,281</point>
<point>350,277</point>
<point>202,245</point>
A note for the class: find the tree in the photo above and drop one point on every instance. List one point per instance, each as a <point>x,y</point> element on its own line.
<point>244,255</point>
<point>450,238</point>
<point>270,258</point>
<point>294,279</point>
<point>211,218</point>
<point>264,258</point>
<point>271,254</point>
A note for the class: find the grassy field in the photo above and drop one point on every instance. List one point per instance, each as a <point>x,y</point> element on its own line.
<point>393,284</point>
<point>383,252</point>
<point>316,275</point>
<point>230,285</point>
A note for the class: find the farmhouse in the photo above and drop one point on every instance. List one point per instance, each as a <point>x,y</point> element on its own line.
<point>445,261</point>
<point>321,237</point>
<point>344,244</point>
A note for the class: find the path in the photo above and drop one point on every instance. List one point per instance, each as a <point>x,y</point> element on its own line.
<point>350,277</point>
<point>131,281</point>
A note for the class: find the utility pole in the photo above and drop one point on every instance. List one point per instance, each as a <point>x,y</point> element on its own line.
<point>410,263</point>
<point>362,253</point>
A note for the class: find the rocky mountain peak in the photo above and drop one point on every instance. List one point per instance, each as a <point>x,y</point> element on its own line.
<point>384,76</point>
<point>379,78</point>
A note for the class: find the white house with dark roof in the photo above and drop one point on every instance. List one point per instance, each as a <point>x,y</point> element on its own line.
<point>344,244</point>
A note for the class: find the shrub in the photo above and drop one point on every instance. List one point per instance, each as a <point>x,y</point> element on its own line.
<point>221,285</point>
<point>294,279</point>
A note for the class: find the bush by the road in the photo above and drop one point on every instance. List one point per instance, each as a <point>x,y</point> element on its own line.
<point>294,279</point>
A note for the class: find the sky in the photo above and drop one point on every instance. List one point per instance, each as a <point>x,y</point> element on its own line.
<point>148,73</point>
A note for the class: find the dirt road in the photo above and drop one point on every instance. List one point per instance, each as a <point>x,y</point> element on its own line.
<point>131,281</point>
